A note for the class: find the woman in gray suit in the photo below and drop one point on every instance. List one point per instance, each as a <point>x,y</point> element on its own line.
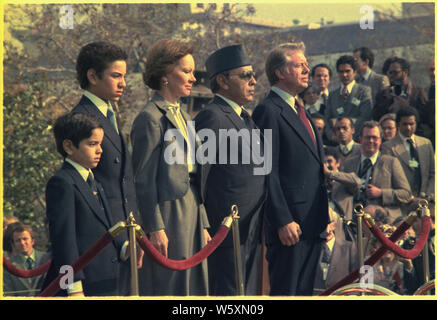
<point>166,176</point>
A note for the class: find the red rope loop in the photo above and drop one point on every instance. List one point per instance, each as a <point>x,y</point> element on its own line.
<point>370,261</point>
<point>407,254</point>
<point>80,263</point>
<point>156,256</point>
<point>9,267</point>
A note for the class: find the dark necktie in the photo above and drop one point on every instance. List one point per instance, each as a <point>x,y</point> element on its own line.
<point>415,157</point>
<point>326,253</point>
<point>325,99</point>
<point>303,117</point>
<point>112,118</point>
<point>247,119</point>
<point>365,166</point>
<point>93,185</point>
<point>344,93</point>
<point>29,263</point>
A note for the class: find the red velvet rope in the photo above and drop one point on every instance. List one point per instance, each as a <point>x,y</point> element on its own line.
<point>156,256</point>
<point>80,263</point>
<point>407,254</point>
<point>370,262</point>
<point>25,273</point>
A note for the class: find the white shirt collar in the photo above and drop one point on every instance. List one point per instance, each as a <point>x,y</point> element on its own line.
<point>331,243</point>
<point>367,75</point>
<point>233,104</point>
<point>349,87</point>
<point>372,158</point>
<point>288,98</point>
<point>349,145</point>
<point>326,91</point>
<point>84,172</point>
<point>101,104</point>
<point>404,138</point>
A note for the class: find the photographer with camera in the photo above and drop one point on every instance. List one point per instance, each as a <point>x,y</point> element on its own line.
<point>371,178</point>
<point>401,93</point>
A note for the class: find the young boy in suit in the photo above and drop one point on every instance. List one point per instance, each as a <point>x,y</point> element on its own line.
<point>78,211</point>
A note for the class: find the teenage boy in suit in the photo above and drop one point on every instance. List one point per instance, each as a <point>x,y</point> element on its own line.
<point>101,72</point>
<point>78,211</point>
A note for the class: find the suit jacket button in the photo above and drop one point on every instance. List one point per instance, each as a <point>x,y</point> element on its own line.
<point>117,160</point>
<point>125,200</point>
<point>114,260</point>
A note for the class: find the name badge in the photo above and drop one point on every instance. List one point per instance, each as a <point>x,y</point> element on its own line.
<point>356,101</point>
<point>413,164</point>
<point>340,111</point>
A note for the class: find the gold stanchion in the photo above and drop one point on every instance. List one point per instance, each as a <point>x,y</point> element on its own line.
<point>422,211</point>
<point>237,251</point>
<point>131,225</point>
<point>360,213</point>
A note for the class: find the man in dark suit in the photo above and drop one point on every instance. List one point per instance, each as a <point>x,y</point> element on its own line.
<point>366,76</point>
<point>351,100</point>
<point>321,75</point>
<point>79,214</point>
<point>371,178</point>
<point>415,153</point>
<point>232,181</point>
<point>297,206</point>
<point>26,257</point>
<point>101,71</point>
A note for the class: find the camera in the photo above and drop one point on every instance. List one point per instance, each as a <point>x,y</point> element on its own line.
<point>409,243</point>
<point>398,91</point>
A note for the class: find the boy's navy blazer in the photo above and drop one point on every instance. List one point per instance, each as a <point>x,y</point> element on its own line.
<point>114,171</point>
<point>76,221</point>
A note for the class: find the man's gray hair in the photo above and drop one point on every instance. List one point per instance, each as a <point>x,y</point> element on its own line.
<point>276,59</point>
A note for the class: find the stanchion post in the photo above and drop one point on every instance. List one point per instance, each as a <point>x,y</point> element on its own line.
<point>423,210</point>
<point>360,213</point>
<point>237,251</point>
<point>131,225</point>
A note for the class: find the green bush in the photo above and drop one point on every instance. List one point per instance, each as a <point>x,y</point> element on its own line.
<point>30,158</point>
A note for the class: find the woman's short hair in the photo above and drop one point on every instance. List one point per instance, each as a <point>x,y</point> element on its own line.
<point>162,58</point>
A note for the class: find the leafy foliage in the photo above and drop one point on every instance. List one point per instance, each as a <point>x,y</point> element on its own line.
<point>30,157</point>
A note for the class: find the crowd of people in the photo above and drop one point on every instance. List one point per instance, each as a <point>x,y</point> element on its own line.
<point>384,120</point>
<point>369,142</point>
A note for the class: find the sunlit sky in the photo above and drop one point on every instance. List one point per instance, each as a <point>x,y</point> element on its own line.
<point>311,12</point>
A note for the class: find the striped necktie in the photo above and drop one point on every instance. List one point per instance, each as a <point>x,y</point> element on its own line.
<point>344,93</point>
<point>365,166</point>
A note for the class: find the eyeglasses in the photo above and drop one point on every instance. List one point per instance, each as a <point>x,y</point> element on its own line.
<point>246,75</point>
<point>393,72</point>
